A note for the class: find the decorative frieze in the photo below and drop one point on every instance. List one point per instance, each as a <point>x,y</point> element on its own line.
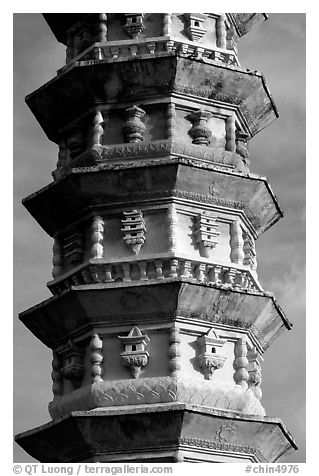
<point>57,259</point>
<point>195,25</point>
<point>73,367</point>
<point>241,363</point>
<point>165,389</point>
<point>56,375</point>
<point>200,133</point>
<point>134,128</point>
<point>135,357</point>
<point>236,243</point>
<point>210,358</point>
<point>174,351</point>
<point>133,230</point>
<point>205,232</point>
<point>134,24</point>
<point>220,275</point>
<point>96,357</point>
<point>97,231</point>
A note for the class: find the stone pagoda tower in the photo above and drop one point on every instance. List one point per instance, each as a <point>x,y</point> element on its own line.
<point>157,322</point>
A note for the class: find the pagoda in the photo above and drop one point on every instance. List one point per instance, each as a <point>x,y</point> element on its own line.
<point>157,321</point>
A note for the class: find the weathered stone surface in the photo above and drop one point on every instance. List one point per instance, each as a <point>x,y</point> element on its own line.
<point>74,93</point>
<point>55,206</point>
<point>156,433</point>
<point>153,390</point>
<point>96,305</point>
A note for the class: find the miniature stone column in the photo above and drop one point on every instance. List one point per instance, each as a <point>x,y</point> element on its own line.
<point>101,28</point>
<point>236,243</point>
<point>240,364</point>
<point>56,375</point>
<point>96,346</point>
<point>97,129</point>
<point>172,224</point>
<point>221,31</point>
<point>134,128</point>
<point>97,237</point>
<point>174,351</point>
<point>230,134</point>
<point>200,133</point>
<point>171,120</point>
<point>57,259</point>
<point>167,24</point>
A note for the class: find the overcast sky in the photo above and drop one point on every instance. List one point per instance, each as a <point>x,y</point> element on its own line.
<point>277,48</point>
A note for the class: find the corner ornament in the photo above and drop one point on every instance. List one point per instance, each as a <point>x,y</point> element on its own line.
<point>135,357</point>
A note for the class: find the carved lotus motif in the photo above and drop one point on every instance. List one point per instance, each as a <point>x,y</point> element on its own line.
<point>209,363</point>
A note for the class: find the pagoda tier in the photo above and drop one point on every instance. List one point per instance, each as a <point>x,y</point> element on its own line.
<point>158,322</point>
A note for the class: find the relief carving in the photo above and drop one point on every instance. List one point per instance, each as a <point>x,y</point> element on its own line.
<point>135,357</point>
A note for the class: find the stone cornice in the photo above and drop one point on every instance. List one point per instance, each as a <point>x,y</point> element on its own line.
<point>256,312</point>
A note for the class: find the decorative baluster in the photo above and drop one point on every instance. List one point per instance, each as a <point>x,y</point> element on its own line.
<point>134,128</point>
<point>159,269</point>
<point>101,28</point>
<point>96,346</point>
<point>57,259</point>
<point>97,238</point>
<point>56,375</point>
<point>171,120</point>
<point>97,130</point>
<point>108,273</point>
<point>201,268</point>
<point>230,134</point>
<point>221,31</point>
<point>237,254</point>
<point>241,362</point>
<point>151,46</point>
<point>126,272</point>
<point>142,267</point>
<point>172,223</point>
<point>187,269</point>
<point>167,23</point>
<point>174,351</point>
<point>200,133</point>
<point>86,276</point>
<point>173,268</point>
<point>254,372</point>
<point>216,270</point>
<point>230,275</point>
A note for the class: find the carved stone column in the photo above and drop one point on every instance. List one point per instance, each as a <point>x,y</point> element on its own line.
<point>96,346</point>
<point>97,237</point>
<point>134,128</point>
<point>236,243</point>
<point>240,365</point>
<point>200,133</point>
